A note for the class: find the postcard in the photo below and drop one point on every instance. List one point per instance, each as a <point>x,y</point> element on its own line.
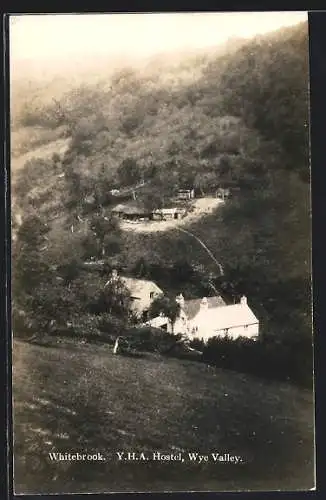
<point>161,253</point>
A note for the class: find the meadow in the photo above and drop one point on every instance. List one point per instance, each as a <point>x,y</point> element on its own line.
<point>82,398</point>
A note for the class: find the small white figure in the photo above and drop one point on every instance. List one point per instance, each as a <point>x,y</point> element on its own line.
<point>116,346</point>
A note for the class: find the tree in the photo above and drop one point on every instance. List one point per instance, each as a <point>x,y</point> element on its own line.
<point>182,271</point>
<point>153,199</point>
<point>90,247</point>
<point>141,268</point>
<point>206,181</point>
<point>70,270</point>
<point>166,305</point>
<point>113,299</point>
<point>129,172</point>
<point>31,270</point>
<point>34,173</point>
<point>107,234</point>
<point>79,184</point>
<point>54,302</point>
<point>102,187</point>
<point>29,265</point>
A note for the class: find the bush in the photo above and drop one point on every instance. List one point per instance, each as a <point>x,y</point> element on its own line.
<point>85,326</point>
<point>111,326</point>
<point>150,339</point>
<point>104,328</point>
<point>290,360</point>
<point>197,344</point>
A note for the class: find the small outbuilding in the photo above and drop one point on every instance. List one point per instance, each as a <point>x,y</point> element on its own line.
<point>169,213</point>
<point>132,211</point>
<point>186,194</point>
<point>223,193</point>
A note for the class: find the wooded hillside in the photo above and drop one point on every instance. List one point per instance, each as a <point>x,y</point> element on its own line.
<point>238,118</point>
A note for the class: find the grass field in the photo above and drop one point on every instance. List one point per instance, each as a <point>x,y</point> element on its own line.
<point>73,398</point>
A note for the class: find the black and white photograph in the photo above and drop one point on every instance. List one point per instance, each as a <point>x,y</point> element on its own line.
<point>161,288</point>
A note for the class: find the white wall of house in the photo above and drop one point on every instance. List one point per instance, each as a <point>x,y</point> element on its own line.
<point>142,301</point>
<point>201,330</point>
<point>181,325</point>
<point>234,321</point>
<point>247,331</point>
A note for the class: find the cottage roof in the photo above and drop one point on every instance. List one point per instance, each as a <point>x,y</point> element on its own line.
<point>228,316</point>
<point>192,307</point>
<point>139,287</point>
<point>119,208</point>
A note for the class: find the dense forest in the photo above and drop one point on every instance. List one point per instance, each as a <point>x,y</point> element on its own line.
<point>237,118</point>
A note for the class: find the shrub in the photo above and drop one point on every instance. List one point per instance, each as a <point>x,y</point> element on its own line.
<point>85,326</point>
<point>103,327</point>
<point>110,325</point>
<point>150,339</point>
<point>197,344</point>
<point>290,360</point>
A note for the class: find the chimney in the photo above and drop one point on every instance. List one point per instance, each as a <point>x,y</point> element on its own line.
<point>180,300</point>
<point>204,303</point>
<point>243,300</point>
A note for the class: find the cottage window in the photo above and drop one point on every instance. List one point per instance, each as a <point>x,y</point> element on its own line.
<point>151,295</point>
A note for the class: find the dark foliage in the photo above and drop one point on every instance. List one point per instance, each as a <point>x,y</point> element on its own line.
<point>149,339</point>
<point>164,305</point>
<point>289,360</point>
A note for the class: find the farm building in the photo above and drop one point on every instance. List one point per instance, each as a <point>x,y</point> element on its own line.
<point>169,213</point>
<point>211,317</point>
<point>132,211</point>
<point>186,194</point>
<point>223,193</point>
<point>143,292</point>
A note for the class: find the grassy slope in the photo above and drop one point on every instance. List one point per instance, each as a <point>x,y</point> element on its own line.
<point>36,142</point>
<point>77,398</point>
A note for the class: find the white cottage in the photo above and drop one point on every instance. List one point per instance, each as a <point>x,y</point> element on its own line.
<point>235,320</point>
<point>211,317</point>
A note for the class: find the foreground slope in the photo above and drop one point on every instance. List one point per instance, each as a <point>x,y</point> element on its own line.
<point>81,398</point>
